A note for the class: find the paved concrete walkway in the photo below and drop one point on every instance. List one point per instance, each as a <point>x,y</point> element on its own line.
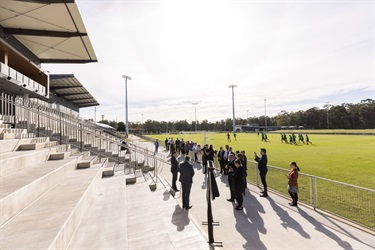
<point>265,223</point>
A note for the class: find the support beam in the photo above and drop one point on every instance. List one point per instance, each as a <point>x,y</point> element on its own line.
<point>48,33</point>
<point>46,1</point>
<point>66,61</point>
<point>64,87</point>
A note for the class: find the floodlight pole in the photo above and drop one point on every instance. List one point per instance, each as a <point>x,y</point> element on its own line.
<point>234,118</point>
<point>265,114</point>
<point>142,123</point>
<point>327,106</point>
<point>195,111</point>
<point>126,103</point>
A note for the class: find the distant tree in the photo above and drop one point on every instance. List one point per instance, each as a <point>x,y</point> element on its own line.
<point>339,117</point>
<point>283,119</point>
<point>121,126</point>
<point>367,113</point>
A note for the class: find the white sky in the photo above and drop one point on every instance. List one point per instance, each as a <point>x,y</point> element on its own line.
<point>295,54</point>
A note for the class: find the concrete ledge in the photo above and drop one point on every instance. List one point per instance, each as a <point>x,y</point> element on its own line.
<point>131,180</point>
<point>110,228</point>
<point>15,161</point>
<point>59,156</point>
<point>21,189</point>
<point>31,146</point>
<point>109,171</point>
<point>50,222</point>
<point>86,163</point>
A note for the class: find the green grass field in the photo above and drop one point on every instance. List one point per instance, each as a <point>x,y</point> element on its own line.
<point>344,158</point>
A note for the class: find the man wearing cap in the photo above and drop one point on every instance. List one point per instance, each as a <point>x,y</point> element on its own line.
<point>262,167</point>
<point>186,179</point>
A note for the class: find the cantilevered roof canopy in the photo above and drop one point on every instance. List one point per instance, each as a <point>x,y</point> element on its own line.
<point>68,87</point>
<point>53,30</point>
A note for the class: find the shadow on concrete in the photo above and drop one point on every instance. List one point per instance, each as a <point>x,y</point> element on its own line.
<point>250,224</point>
<point>319,227</point>
<point>204,183</point>
<point>179,218</point>
<point>345,231</point>
<point>166,195</point>
<point>287,221</point>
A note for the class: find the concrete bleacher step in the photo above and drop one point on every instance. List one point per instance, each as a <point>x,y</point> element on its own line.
<point>109,170</point>
<point>86,162</point>
<point>131,180</point>
<point>31,146</point>
<point>59,155</point>
<point>12,162</point>
<point>108,209</point>
<point>50,222</point>
<point>20,189</point>
<point>11,145</point>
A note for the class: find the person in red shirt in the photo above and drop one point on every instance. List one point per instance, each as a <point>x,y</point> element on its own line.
<point>293,183</point>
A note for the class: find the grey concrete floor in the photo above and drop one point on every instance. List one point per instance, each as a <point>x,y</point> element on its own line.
<point>265,223</point>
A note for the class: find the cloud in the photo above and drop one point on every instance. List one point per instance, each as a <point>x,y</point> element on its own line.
<point>294,54</point>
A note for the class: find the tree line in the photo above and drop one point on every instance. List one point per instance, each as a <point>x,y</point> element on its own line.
<point>344,116</point>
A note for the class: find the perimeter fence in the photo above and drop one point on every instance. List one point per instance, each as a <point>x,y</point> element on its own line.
<point>353,203</point>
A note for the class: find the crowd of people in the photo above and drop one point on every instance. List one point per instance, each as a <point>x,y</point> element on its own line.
<point>293,138</point>
<point>231,163</point>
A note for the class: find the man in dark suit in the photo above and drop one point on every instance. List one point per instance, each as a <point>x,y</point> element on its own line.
<point>220,157</point>
<point>174,170</point>
<point>186,179</point>
<point>262,167</point>
<point>230,167</point>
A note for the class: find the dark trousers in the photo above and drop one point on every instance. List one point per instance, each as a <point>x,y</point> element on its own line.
<point>222,166</point>
<point>239,199</point>
<point>174,179</point>
<point>204,163</point>
<point>264,182</point>
<point>186,187</point>
<point>294,197</point>
<point>231,187</point>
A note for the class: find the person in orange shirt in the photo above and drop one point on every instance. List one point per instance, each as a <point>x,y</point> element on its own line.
<point>293,183</point>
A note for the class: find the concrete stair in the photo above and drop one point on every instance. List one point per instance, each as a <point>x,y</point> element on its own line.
<point>108,210</point>
<point>87,162</point>
<point>21,188</point>
<point>109,170</point>
<point>59,155</point>
<point>31,146</point>
<point>50,194</point>
<point>51,220</point>
<point>12,162</point>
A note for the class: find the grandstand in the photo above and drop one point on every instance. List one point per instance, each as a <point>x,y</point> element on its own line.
<point>62,178</point>
<point>52,161</point>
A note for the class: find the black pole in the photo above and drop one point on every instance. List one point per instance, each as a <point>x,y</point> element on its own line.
<point>209,209</point>
<point>212,192</point>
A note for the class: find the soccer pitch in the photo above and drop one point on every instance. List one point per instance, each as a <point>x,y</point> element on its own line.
<point>345,158</point>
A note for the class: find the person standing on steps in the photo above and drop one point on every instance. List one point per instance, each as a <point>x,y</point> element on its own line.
<point>262,167</point>
<point>174,170</point>
<point>186,179</point>
<point>231,167</point>
<point>293,183</point>
<point>239,180</point>
<point>156,143</point>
